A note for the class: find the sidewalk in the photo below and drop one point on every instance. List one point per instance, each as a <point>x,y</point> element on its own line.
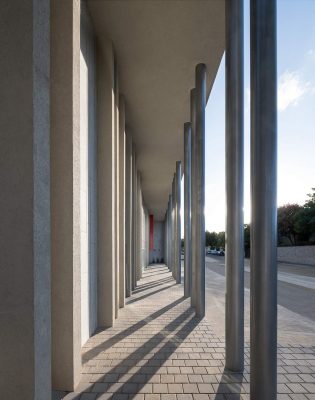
<point>158,350</point>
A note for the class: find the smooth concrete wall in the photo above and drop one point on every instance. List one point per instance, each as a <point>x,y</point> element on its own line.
<point>158,234</point>
<point>122,194</point>
<point>24,200</point>
<point>65,193</point>
<point>302,255</point>
<point>88,177</point>
<point>106,183</point>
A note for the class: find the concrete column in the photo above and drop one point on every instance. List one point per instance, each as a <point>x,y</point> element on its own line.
<point>170,232</point>
<point>134,217</point>
<point>65,194</point>
<point>106,185</point>
<point>165,237</point>
<point>193,196</point>
<point>178,239</point>
<point>25,314</point>
<point>200,188</point>
<point>139,228</point>
<point>173,229</point>
<point>122,191</point>
<point>187,211</point>
<point>128,206</point>
<point>234,167</point>
<point>117,194</point>
<point>263,313</point>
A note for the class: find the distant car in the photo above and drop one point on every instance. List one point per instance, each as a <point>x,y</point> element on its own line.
<point>221,253</point>
<point>208,252</point>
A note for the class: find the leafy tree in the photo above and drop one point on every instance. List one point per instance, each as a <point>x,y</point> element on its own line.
<point>221,239</point>
<point>211,239</point>
<point>287,222</point>
<point>304,221</point>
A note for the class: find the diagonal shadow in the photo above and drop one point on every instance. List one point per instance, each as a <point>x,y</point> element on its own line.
<point>189,322</point>
<point>156,274</point>
<point>150,294</point>
<point>129,331</point>
<point>230,385</point>
<point>158,282</point>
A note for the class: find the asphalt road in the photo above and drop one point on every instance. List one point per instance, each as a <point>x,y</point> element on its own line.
<point>296,300</point>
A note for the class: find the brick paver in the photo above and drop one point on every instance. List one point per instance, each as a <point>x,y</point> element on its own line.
<point>158,350</point>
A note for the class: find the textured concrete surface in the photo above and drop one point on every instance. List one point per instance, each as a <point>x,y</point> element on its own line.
<point>297,255</point>
<point>25,267</point>
<point>65,193</point>
<point>158,350</point>
<point>106,184</point>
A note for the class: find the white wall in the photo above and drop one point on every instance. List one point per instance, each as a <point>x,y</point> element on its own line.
<point>88,198</point>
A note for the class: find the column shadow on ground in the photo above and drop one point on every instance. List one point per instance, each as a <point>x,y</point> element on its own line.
<point>139,379</point>
<point>127,332</point>
<point>230,386</point>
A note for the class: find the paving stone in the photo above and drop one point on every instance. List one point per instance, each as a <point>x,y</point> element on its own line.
<point>157,350</point>
<point>160,388</point>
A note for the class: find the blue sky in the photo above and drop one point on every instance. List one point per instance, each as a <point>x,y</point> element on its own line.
<point>296,115</point>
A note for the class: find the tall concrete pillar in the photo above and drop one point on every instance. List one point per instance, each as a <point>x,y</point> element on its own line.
<point>178,239</point>
<point>106,185</point>
<point>263,313</point>
<point>25,282</point>
<point>139,228</point>
<point>170,206</point>
<point>193,196</point>
<point>134,217</point>
<point>122,197</point>
<point>187,210</point>
<point>173,229</point>
<point>116,187</point>
<point>128,205</point>
<point>199,176</point>
<point>65,194</point>
<point>234,167</point>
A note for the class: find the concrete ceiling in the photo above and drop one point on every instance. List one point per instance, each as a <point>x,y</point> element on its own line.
<point>157,45</point>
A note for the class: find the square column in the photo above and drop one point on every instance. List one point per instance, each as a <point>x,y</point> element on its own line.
<point>134,217</point>
<point>128,206</point>
<point>106,185</point>
<point>25,258</point>
<point>65,194</point>
<point>116,186</point>
<point>122,198</point>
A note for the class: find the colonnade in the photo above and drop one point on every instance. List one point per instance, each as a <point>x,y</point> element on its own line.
<point>263,275</point>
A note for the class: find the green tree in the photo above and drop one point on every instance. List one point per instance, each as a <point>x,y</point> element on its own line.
<point>211,239</point>
<point>304,221</point>
<point>221,239</point>
<point>287,222</point>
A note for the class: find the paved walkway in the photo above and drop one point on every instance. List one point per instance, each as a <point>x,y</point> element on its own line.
<point>158,350</point>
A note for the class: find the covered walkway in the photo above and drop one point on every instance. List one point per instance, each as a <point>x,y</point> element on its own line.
<point>158,350</point>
